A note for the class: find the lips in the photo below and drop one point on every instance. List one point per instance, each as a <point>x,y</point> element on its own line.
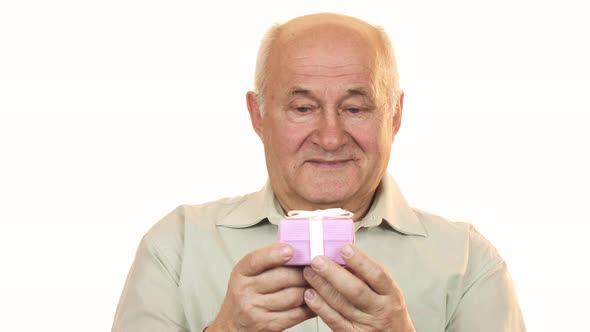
<point>329,163</point>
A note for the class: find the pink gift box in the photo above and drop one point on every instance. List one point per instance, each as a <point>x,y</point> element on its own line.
<point>336,231</point>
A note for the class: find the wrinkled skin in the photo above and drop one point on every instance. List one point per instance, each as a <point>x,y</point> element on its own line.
<point>264,295</point>
<point>361,297</point>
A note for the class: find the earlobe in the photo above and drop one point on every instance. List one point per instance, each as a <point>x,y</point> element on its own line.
<point>397,118</point>
<point>254,110</point>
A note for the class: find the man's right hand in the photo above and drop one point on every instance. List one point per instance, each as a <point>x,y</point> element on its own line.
<point>263,294</point>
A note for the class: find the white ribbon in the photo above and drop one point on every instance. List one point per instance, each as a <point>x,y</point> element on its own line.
<point>316,227</point>
<point>316,237</point>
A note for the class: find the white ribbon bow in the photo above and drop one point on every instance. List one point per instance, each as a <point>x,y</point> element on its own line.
<point>330,213</point>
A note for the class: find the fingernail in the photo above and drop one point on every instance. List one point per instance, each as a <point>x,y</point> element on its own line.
<point>347,251</point>
<point>286,252</point>
<point>309,294</point>
<point>309,273</point>
<point>318,263</point>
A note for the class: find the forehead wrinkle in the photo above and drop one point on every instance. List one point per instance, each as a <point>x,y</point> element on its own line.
<point>322,66</point>
<point>356,91</point>
<point>328,76</point>
<point>301,63</point>
<point>328,71</point>
<point>325,66</point>
<point>301,58</point>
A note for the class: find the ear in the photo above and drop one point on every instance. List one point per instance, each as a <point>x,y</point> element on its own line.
<point>254,110</point>
<point>397,118</point>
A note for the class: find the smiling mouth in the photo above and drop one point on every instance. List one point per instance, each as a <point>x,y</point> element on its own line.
<point>329,163</point>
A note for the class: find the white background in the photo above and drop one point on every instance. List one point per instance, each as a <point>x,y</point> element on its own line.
<point>112,113</point>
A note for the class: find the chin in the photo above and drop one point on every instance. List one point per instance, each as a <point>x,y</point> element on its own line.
<point>328,189</point>
<point>327,196</point>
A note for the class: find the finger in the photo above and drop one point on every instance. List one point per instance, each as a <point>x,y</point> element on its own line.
<point>280,321</point>
<point>282,300</point>
<point>320,307</point>
<point>368,270</point>
<point>263,259</point>
<point>330,294</point>
<point>277,278</point>
<point>345,283</point>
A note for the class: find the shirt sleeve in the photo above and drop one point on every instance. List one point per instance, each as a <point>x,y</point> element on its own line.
<point>150,300</point>
<point>488,302</point>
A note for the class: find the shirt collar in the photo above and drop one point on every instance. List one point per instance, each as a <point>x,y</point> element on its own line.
<point>254,208</point>
<point>389,205</point>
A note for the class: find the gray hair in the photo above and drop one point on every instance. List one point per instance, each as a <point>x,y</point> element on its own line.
<point>386,63</point>
<point>260,74</point>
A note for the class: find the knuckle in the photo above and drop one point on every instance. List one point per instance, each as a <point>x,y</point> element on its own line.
<point>320,283</point>
<point>334,322</point>
<point>357,292</point>
<point>380,273</point>
<point>264,323</point>
<point>339,300</point>
<point>253,265</point>
<point>295,298</point>
<point>248,307</point>
<point>287,273</point>
<point>236,279</point>
<point>241,294</point>
<point>290,276</point>
<point>273,325</point>
<point>251,262</point>
<point>240,290</point>
<point>278,274</point>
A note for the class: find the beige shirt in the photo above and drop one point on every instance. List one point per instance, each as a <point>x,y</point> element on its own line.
<point>452,278</point>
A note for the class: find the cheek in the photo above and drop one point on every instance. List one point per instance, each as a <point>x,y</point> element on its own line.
<point>367,142</point>
<point>374,142</point>
<point>284,138</point>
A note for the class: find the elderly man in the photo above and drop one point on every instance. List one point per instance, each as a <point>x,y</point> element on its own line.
<point>327,107</point>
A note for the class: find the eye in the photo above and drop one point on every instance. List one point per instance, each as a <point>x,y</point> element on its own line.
<point>357,112</point>
<point>302,109</point>
<point>354,111</point>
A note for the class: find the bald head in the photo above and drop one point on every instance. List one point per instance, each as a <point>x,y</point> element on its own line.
<point>317,23</point>
<point>335,32</point>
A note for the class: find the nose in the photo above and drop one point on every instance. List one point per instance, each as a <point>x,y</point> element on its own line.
<point>330,133</point>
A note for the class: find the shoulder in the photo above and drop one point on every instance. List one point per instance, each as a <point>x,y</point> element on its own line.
<point>171,227</point>
<point>441,227</point>
<point>213,212</point>
<point>165,240</point>
<point>462,239</point>
<point>479,290</point>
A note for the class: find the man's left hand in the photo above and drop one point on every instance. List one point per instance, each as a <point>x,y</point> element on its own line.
<point>361,297</point>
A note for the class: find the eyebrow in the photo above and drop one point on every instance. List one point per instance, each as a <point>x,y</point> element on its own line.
<point>359,92</point>
<point>299,91</point>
